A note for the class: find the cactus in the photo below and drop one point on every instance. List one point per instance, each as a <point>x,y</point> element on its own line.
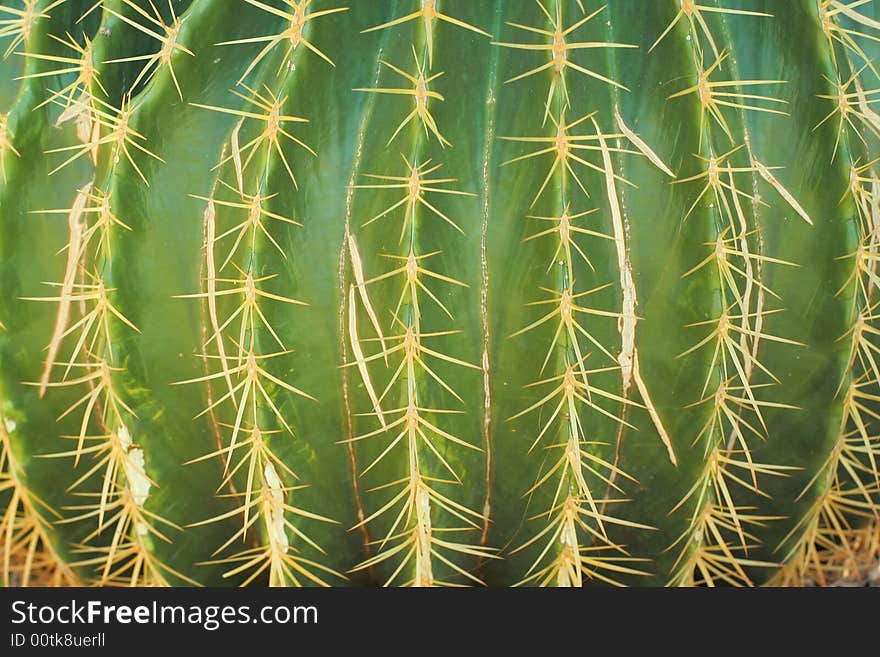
<point>437,292</point>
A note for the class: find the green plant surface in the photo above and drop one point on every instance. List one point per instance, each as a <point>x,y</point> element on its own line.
<point>436,292</point>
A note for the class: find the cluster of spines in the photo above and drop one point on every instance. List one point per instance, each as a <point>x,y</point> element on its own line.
<point>27,555</point>
<point>576,544</point>
<point>119,550</point>
<point>715,546</point>
<point>833,537</point>
<point>414,539</point>
<point>16,24</point>
<point>242,340</point>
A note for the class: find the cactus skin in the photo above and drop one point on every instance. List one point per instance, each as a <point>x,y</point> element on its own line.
<point>625,334</point>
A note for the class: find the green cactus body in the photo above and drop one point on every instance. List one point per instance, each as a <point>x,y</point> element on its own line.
<point>438,292</point>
